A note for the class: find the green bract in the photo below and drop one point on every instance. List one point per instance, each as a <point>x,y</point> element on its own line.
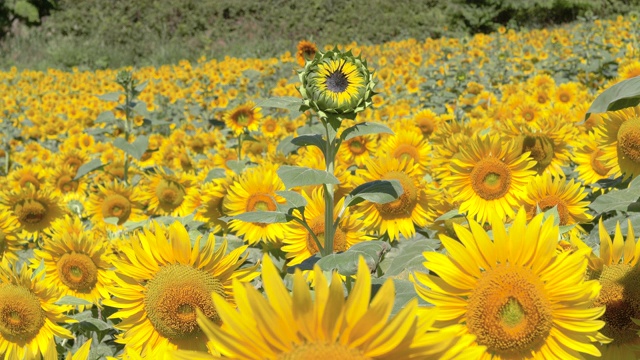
<point>336,83</point>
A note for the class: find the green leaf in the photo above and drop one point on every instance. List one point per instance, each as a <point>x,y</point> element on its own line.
<point>621,95</point>
<point>346,263</point>
<point>293,176</point>
<point>112,96</point>
<point>286,146</point>
<point>238,166</point>
<point>405,292</point>
<point>72,300</point>
<point>135,149</point>
<point>377,191</point>
<point>365,128</point>
<point>618,199</point>
<point>88,167</point>
<point>105,117</point>
<point>294,199</point>
<point>141,109</point>
<point>215,174</point>
<point>283,102</point>
<point>263,217</point>
<point>26,10</point>
<point>310,140</point>
<point>408,256</point>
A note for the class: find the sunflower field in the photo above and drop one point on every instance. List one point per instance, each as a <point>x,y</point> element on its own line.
<point>453,198</point>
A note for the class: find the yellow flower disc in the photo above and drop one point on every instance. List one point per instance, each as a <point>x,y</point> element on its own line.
<point>116,205</point>
<point>77,271</point>
<point>629,139</point>
<point>508,311</point>
<point>318,351</point>
<point>173,296</point>
<point>403,205</point>
<point>261,202</point>
<point>620,294</point>
<point>170,194</point>
<point>491,178</point>
<point>21,316</point>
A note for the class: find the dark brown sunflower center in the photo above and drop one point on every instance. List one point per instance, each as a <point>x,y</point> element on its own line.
<point>21,316</point>
<point>403,206</point>
<point>620,294</point>
<point>116,205</point>
<point>261,202</point>
<point>317,226</point>
<point>491,178</point>
<point>629,140</point>
<point>78,272</point>
<point>170,194</point>
<point>552,200</point>
<point>541,149</point>
<point>174,294</point>
<point>322,351</point>
<point>30,211</point>
<point>337,82</point>
<point>406,152</point>
<point>509,312</point>
<point>597,165</point>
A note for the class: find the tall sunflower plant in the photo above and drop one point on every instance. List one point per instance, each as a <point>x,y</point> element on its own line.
<point>334,86</point>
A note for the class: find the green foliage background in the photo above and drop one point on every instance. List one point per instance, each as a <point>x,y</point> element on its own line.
<point>97,34</point>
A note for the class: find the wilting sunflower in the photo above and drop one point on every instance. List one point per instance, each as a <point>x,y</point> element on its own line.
<point>489,178</point>
<point>75,262</point>
<point>336,83</point>
<point>306,50</point>
<point>618,271</point>
<point>255,190</point>
<point>10,243</point>
<point>298,243</point>
<point>545,192</point>
<point>515,293</point>
<point>115,201</point>
<point>413,208</point>
<point>29,318</point>
<point>619,138</point>
<point>298,325</point>
<point>160,282</point>
<point>35,209</point>
<point>207,203</point>
<point>165,193</point>
<point>588,157</point>
<point>246,116</point>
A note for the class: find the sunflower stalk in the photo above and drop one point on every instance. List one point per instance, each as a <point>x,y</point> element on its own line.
<point>330,155</point>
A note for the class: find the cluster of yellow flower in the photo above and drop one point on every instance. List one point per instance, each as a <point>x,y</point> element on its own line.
<point>509,136</point>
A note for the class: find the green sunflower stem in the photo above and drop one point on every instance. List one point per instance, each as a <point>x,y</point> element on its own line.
<point>329,153</point>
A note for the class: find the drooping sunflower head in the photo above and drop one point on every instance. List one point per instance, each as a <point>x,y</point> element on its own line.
<point>161,280</point>
<point>29,318</point>
<point>336,83</point>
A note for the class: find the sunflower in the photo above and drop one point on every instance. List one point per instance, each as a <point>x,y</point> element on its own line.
<point>619,139</point>
<point>29,318</point>
<point>271,128</point>
<point>325,325</point>
<point>588,159</point>
<point>34,175</point>
<point>10,243</point>
<point>75,262</point>
<point>408,144</point>
<point>73,158</point>
<point>246,116</point>
<point>255,190</point>
<point>414,207</point>
<point>35,209</point>
<point>629,70</point>
<point>546,192</point>
<point>566,93</point>
<point>336,83</point>
<point>165,193</point>
<point>357,150</point>
<point>618,271</point>
<point>161,279</point>
<point>299,244</point>
<point>306,51</point>
<point>427,121</point>
<point>62,182</point>
<point>520,298</point>
<point>489,178</point>
<point>207,203</point>
<point>115,201</point>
